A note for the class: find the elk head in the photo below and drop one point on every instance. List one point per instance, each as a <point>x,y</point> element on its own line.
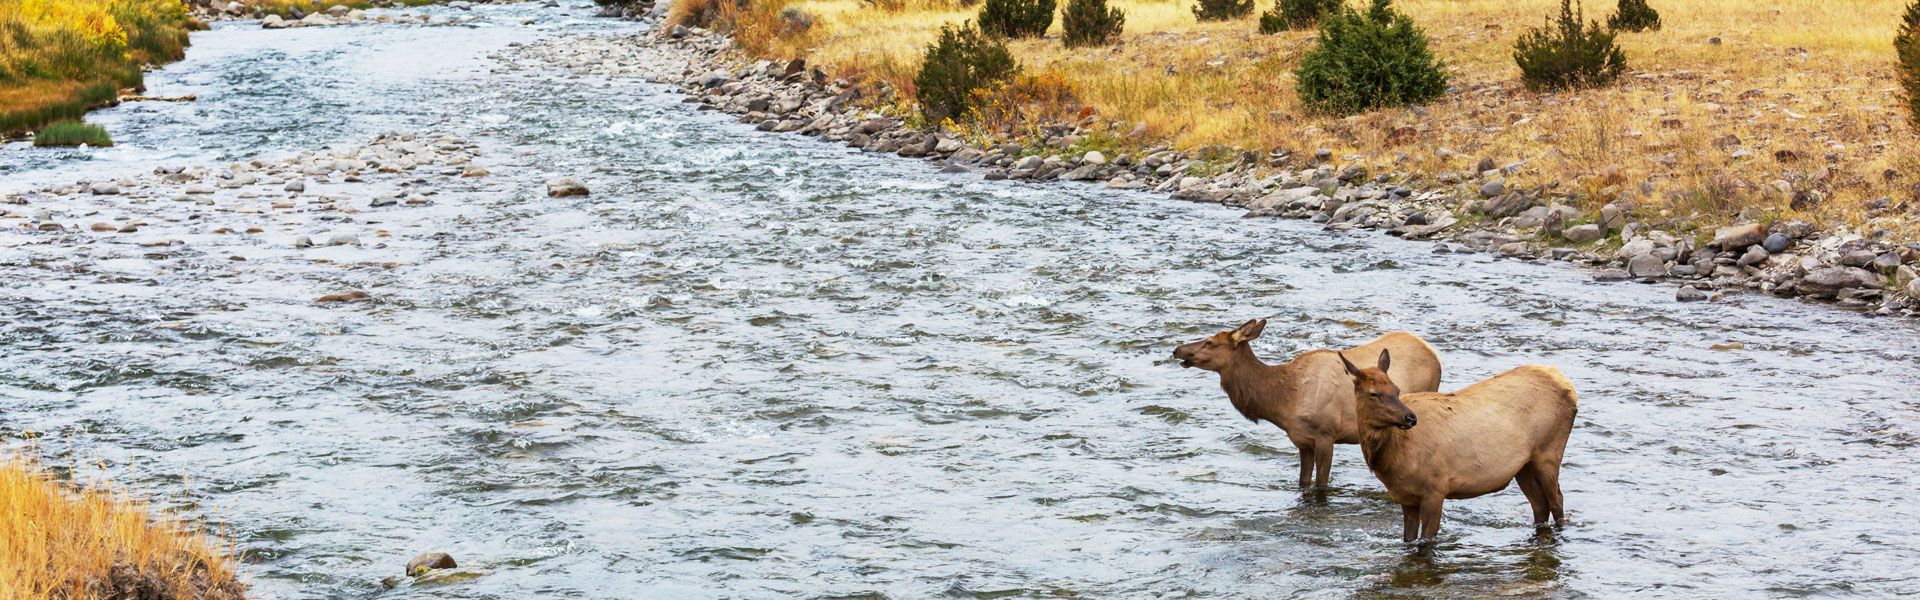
<point>1216,351</point>
<point>1376,397</point>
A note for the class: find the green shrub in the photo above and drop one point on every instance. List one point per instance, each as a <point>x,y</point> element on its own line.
<point>1296,14</point>
<point>1566,54</point>
<point>1634,15</point>
<point>1017,18</point>
<point>1907,49</point>
<point>1369,60</point>
<point>1090,23</point>
<point>1222,10</point>
<point>962,60</point>
<point>73,133</point>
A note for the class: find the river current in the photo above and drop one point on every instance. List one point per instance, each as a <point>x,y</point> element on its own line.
<point>756,365</point>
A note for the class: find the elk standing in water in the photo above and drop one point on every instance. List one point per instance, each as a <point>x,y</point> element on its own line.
<point>1431,447</point>
<point>1310,398</point>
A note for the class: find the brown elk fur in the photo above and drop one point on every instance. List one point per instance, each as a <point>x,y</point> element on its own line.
<point>1311,397</point>
<point>1431,447</point>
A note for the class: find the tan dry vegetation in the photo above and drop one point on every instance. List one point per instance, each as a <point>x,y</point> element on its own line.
<point>60,543</point>
<point>1805,88</point>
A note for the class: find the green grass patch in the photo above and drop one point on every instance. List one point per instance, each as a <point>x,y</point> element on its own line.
<point>73,133</point>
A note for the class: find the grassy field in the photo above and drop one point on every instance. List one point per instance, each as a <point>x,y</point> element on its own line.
<point>60,58</point>
<point>1733,106</point>
<point>82,544</point>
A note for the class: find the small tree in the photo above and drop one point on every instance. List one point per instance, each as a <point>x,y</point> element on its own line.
<point>1017,18</point>
<point>1568,54</point>
<point>1090,23</point>
<point>1364,61</point>
<point>1222,10</point>
<point>1906,47</point>
<point>1634,15</point>
<point>962,60</point>
<point>1296,14</point>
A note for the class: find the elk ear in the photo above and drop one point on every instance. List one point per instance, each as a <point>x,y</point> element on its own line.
<point>1386,360</point>
<point>1249,331</point>
<point>1351,370</point>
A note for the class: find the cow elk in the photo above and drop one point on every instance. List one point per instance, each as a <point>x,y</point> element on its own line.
<point>1431,447</point>
<point>1311,397</point>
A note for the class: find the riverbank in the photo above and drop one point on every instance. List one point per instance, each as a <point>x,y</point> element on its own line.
<point>60,60</point>
<point>78,543</point>
<point>1484,207</point>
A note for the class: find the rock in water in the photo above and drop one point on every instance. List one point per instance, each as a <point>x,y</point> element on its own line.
<point>430,561</point>
<point>565,186</point>
<point>1689,294</point>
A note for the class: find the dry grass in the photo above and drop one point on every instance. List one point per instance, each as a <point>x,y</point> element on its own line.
<point>1810,78</point>
<point>59,58</point>
<point>57,542</point>
<point>284,8</point>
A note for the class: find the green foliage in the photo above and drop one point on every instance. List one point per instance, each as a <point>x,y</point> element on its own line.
<point>1567,54</point>
<point>962,60</point>
<point>1906,47</point>
<point>1635,15</point>
<point>1091,23</point>
<point>73,133</point>
<point>1017,18</point>
<point>1222,10</point>
<point>1296,14</point>
<point>1368,60</point>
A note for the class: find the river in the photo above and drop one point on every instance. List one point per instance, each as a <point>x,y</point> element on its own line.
<point>755,365</point>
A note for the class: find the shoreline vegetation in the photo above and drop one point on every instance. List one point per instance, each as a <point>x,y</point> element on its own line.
<point>62,58</point>
<point>69,542</point>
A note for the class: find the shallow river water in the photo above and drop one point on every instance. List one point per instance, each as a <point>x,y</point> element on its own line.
<point>754,365</point>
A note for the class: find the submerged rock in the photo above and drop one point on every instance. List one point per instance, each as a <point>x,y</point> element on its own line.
<point>430,561</point>
<point>565,186</point>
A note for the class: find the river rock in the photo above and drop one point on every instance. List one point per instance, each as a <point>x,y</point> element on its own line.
<point>1690,294</point>
<point>302,242</point>
<point>1755,255</point>
<point>1776,243</point>
<point>105,188</point>
<point>430,561</point>
<point>1094,157</point>
<point>343,240</point>
<point>1581,234</point>
<point>1493,188</point>
<point>353,296</point>
<point>1827,282</point>
<point>1738,236</point>
<point>296,186</point>
<point>1634,248</point>
<point>565,186</point>
<point>1886,261</point>
<point>1858,258</point>
<point>474,171</point>
<point>1645,265</point>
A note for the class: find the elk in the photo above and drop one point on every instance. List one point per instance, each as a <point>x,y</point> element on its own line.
<point>1309,398</point>
<point>1430,447</point>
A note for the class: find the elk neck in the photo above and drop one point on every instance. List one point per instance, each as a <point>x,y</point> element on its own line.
<point>1254,387</point>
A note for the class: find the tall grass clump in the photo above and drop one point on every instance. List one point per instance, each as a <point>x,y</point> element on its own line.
<point>1222,10</point>
<point>1296,14</point>
<point>1634,15</point>
<point>66,543</point>
<point>964,59</point>
<point>1016,18</point>
<point>59,58</point>
<point>1906,47</point>
<point>1568,54</point>
<point>73,133</point>
<point>763,28</point>
<point>1090,23</point>
<point>1368,60</point>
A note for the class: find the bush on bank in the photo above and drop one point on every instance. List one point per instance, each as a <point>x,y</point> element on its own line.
<point>964,59</point>
<point>1906,48</point>
<point>1090,23</point>
<point>60,58</point>
<point>1016,18</point>
<point>1567,53</point>
<point>1369,60</point>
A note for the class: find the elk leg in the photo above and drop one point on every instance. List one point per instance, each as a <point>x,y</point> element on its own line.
<point>1323,462</point>
<point>1409,522</point>
<point>1549,476</point>
<point>1529,481</point>
<point>1306,464</point>
<point>1430,517</point>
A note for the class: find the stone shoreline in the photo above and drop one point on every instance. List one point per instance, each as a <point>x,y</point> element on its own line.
<point>1463,212</point>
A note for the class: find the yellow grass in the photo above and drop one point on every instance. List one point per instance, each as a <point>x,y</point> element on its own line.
<point>59,58</point>
<point>57,542</point>
<point>1820,73</point>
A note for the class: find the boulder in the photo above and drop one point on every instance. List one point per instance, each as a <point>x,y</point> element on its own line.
<point>565,186</point>
<point>1582,234</point>
<point>1689,294</point>
<point>1776,243</point>
<point>430,561</point>
<point>1827,282</point>
<point>1646,265</point>
<point>1755,255</point>
<point>1634,248</point>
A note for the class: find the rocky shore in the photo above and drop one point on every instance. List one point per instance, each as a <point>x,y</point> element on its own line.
<point>1473,210</point>
<point>225,10</point>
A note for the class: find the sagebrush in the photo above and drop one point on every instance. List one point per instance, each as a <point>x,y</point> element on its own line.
<point>1369,60</point>
<point>1016,18</point>
<point>962,60</point>
<point>1634,15</point>
<point>1567,53</point>
<point>1906,47</point>
<point>1090,23</point>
